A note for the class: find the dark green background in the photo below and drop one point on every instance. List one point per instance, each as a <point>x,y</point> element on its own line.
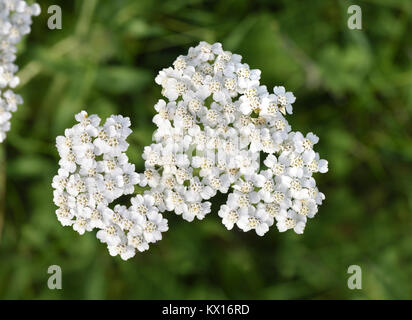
<point>353,89</point>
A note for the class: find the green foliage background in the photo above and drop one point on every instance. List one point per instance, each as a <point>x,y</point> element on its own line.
<point>353,89</point>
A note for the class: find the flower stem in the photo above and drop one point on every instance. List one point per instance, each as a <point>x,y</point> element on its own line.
<point>2,186</point>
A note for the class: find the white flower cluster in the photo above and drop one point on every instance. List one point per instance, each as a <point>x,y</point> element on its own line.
<point>94,172</point>
<point>15,21</point>
<point>219,131</point>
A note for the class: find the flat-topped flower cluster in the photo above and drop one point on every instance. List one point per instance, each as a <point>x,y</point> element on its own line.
<point>218,131</point>
<point>15,22</point>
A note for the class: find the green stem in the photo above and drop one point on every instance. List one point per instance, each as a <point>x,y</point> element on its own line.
<point>2,186</point>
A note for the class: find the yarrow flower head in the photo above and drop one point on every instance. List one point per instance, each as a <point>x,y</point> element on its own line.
<point>15,21</point>
<point>212,132</point>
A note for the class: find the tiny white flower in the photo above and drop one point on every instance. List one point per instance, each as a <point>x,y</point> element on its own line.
<point>143,204</point>
<point>153,227</point>
<point>291,220</point>
<point>284,99</point>
<point>254,219</point>
<point>229,216</point>
<point>136,239</point>
<point>125,251</point>
<point>196,210</point>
